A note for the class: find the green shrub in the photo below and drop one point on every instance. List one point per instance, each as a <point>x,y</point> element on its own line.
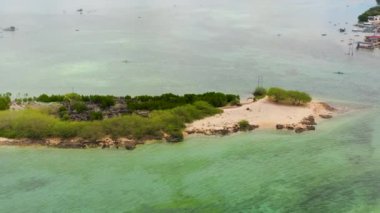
<point>96,116</point>
<point>288,96</point>
<point>298,98</point>
<point>26,124</point>
<point>71,97</point>
<point>103,101</point>
<point>91,131</point>
<point>66,129</point>
<point>79,106</point>
<point>65,116</point>
<point>5,102</point>
<point>277,94</point>
<point>260,92</point>
<point>49,99</point>
<point>244,125</point>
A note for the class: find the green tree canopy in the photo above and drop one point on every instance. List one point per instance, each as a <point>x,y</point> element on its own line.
<point>5,101</point>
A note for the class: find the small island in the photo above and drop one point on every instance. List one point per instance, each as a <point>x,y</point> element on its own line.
<point>276,109</point>
<point>90,121</point>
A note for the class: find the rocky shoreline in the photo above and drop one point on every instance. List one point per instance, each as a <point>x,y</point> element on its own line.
<point>223,131</point>
<point>108,142</point>
<point>75,143</point>
<point>307,124</point>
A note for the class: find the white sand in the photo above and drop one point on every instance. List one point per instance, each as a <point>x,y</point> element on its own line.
<point>263,113</point>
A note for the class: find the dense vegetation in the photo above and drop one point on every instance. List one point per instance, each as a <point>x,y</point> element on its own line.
<point>36,124</point>
<point>169,101</point>
<point>104,101</point>
<point>288,96</point>
<point>374,11</point>
<point>146,102</point>
<point>5,101</point>
<point>95,107</point>
<point>75,105</point>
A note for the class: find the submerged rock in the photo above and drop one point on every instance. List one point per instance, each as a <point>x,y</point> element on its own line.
<point>65,145</point>
<point>130,146</point>
<point>126,143</point>
<point>299,130</point>
<point>310,128</point>
<point>223,132</point>
<point>253,127</point>
<point>290,127</point>
<point>326,116</point>
<point>310,120</point>
<point>328,107</point>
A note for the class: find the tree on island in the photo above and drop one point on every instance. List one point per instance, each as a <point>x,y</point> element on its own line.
<point>5,101</point>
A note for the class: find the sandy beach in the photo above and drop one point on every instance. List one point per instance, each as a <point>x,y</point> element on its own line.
<point>263,113</point>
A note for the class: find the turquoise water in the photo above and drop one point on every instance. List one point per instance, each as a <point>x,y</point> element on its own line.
<point>195,46</point>
<point>333,170</point>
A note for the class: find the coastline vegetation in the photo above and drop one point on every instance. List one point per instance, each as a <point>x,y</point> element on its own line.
<point>96,107</point>
<point>36,124</point>
<point>104,101</point>
<point>166,117</point>
<point>291,97</point>
<point>146,102</point>
<point>259,93</point>
<point>374,11</point>
<point>279,95</point>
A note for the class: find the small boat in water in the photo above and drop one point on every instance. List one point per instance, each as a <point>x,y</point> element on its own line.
<point>357,30</point>
<point>10,29</point>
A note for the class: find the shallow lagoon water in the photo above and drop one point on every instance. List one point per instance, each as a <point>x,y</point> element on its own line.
<point>333,170</point>
<point>193,46</point>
